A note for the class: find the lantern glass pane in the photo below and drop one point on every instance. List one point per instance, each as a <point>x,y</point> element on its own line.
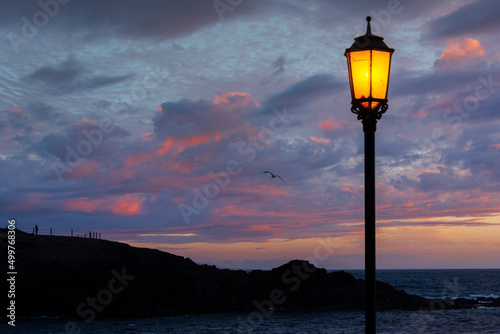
<point>370,105</point>
<point>360,73</point>
<point>381,61</point>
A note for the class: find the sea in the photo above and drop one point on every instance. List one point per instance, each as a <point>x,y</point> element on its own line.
<point>440,283</point>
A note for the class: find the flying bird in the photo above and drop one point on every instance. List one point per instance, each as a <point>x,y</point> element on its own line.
<point>273,175</point>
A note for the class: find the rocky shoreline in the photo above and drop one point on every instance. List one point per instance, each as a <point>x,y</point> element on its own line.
<point>91,278</point>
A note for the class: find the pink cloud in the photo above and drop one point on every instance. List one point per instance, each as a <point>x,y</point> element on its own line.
<point>330,125</point>
<point>14,110</point>
<point>421,113</point>
<point>266,189</point>
<point>236,99</point>
<point>87,167</point>
<point>460,51</point>
<point>181,143</point>
<point>86,121</point>
<point>173,146</point>
<point>409,204</point>
<point>320,140</point>
<point>83,204</point>
<point>494,147</point>
<point>128,204</point>
<point>190,123</point>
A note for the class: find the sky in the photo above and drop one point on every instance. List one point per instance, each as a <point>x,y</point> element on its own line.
<point>152,122</point>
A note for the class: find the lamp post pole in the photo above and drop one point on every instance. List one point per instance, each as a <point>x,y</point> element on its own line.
<point>369,62</point>
<point>369,127</point>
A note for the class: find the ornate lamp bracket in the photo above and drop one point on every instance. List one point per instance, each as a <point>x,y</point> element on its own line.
<point>367,116</point>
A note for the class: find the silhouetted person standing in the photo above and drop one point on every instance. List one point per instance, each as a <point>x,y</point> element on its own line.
<point>36,229</point>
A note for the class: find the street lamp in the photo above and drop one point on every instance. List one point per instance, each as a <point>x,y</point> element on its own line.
<point>369,63</point>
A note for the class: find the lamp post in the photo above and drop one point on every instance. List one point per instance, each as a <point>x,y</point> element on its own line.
<point>369,62</point>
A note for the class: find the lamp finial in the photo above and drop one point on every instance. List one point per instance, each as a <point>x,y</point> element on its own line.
<point>368,27</point>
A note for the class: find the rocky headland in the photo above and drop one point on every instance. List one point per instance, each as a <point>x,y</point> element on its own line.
<point>90,277</point>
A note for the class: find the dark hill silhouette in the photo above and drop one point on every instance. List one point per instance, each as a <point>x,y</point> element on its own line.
<point>64,276</point>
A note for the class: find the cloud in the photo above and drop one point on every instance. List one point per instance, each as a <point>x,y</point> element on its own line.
<point>128,204</point>
<point>26,125</point>
<point>15,118</point>
<point>468,48</point>
<point>42,111</point>
<point>330,125</point>
<point>304,92</point>
<point>158,19</point>
<point>189,136</point>
<point>190,119</point>
<point>320,140</point>
<point>443,80</point>
<point>75,139</point>
<point>460,51</point>
<point>71,76</point>
<point>474,18</point>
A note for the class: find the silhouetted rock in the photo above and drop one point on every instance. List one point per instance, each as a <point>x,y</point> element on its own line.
<point>488,301</point>
<point>462,303</point>
<point>89,277</point>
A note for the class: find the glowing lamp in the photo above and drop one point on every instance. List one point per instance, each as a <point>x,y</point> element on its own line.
<point>369,63</point>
